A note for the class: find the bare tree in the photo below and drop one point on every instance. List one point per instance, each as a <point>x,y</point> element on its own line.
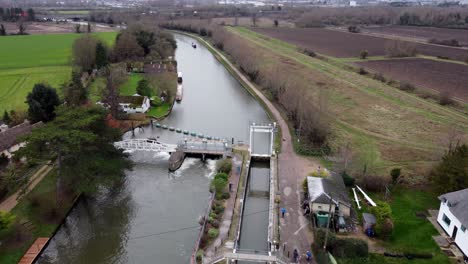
<point>126,48</point>
<point>84,52</point>
<point>115,75</point>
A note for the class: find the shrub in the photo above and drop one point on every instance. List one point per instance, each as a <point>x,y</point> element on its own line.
<point>374,183</point>
<point>446,42</point>
<point>322,174</point>
<point>6,220</point>
<point>215,223</point>
<point>213,232</point>
<point>224,166</point>
<point>347,179</point>
<point>213,215</point>
<point>446,99</point>
<point>200,254</point>
<point>404,86</point>
<point>350,248</point>
<point>308,52</point>
<point>363,54</point>
<point>384,228</point>
<point>225,195</point>
<point>379,77</point>
<point>395,173</point>
<point>382,211</point>
<point>362,71</point>
<point>354,29</point>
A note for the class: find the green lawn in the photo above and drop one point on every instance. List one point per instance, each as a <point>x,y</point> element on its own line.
<point>159,111</point>
<point>27,60</point>
<point>41,50</point>
<point>411,234</point>
<point>129,87</point>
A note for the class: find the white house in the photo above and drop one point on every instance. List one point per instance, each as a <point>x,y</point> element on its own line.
<point>134,104</point>
<point>453,217</point>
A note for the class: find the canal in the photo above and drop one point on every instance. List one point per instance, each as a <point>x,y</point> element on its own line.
<point>154,217</point>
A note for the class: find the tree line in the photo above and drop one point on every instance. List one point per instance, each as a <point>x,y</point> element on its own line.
<point>453,17</point>
<point>14,14</point>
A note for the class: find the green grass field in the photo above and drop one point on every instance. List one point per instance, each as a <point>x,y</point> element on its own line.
<point>27,60</point>
<point>129,86</point>
<point>411,233</point>
<point>385,126</point>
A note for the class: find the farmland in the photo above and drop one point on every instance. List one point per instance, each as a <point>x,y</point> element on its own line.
<point>437,75</point>
<point>344,44</point>
<point>420,33</point>
<point>27,60</point>
<point>385,126</point>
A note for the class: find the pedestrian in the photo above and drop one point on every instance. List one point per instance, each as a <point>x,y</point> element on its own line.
<point>295,255</point>
<point>283,211</point>
<point>309,255</point>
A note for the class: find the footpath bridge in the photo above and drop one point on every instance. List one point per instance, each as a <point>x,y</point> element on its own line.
<point>228,257</point>
<point>195,146</point>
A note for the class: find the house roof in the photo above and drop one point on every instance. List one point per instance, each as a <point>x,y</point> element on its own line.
<point>320,189</point>
<point>458,204</point>
<point>10,136</point>
<point>134,100</point>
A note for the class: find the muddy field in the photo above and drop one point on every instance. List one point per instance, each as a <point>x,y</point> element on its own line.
<point>344,44</point>
<point>51,28</point>
<point>436,75</point>
<point>421,33</point>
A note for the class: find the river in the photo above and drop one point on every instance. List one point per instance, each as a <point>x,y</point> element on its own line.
<point>154,217</point>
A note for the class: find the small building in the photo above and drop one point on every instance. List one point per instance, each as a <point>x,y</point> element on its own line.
<point>453,217</point>
<point>368,221</point>
<point>134,104</point>
<point>9,142</point>
<point>328,192</point>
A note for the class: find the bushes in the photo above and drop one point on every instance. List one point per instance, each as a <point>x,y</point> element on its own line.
<point>446,99</point>
<point>224,166</point>
<point>213,233</point>
<point>407,87</point>
<point>341,247</point>
<point>374,183</point>
<point>6,220</point>
<point>383,215</point>
<point>347,179</point>
<point>307,52</point>
<point>354,29</point>
<point>379,77</point>
<point>446,42</point>
<point>362,71</point>
<point>395,173</point>
<point>363,54</point>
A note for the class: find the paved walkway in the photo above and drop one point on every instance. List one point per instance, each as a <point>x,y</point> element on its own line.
<point>294,228</point>
<point>35,249</point>
<point>225,225</point>
<point>8,204</point>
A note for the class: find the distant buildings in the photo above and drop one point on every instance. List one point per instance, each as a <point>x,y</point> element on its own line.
<point>453,217</point>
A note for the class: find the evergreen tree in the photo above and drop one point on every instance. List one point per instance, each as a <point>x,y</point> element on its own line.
<point>6,118</point>
<point>451,174</point>
<point>74,93</point>
<point>42,102</point>
<point>102,59</point>
<point>144,88</point>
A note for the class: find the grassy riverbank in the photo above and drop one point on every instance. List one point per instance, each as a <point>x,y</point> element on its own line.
<point>36,216</point>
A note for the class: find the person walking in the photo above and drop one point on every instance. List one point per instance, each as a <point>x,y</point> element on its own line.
<point>295,256</point>
<point>283,211</point>
<point>308,256</point>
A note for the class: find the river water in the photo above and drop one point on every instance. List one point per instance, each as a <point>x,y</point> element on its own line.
<point>154,217</point>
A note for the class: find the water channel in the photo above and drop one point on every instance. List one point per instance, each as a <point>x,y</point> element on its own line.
<point>154,217</point>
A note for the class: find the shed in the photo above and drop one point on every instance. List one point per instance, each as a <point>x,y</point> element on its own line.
<point>368,221</point>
